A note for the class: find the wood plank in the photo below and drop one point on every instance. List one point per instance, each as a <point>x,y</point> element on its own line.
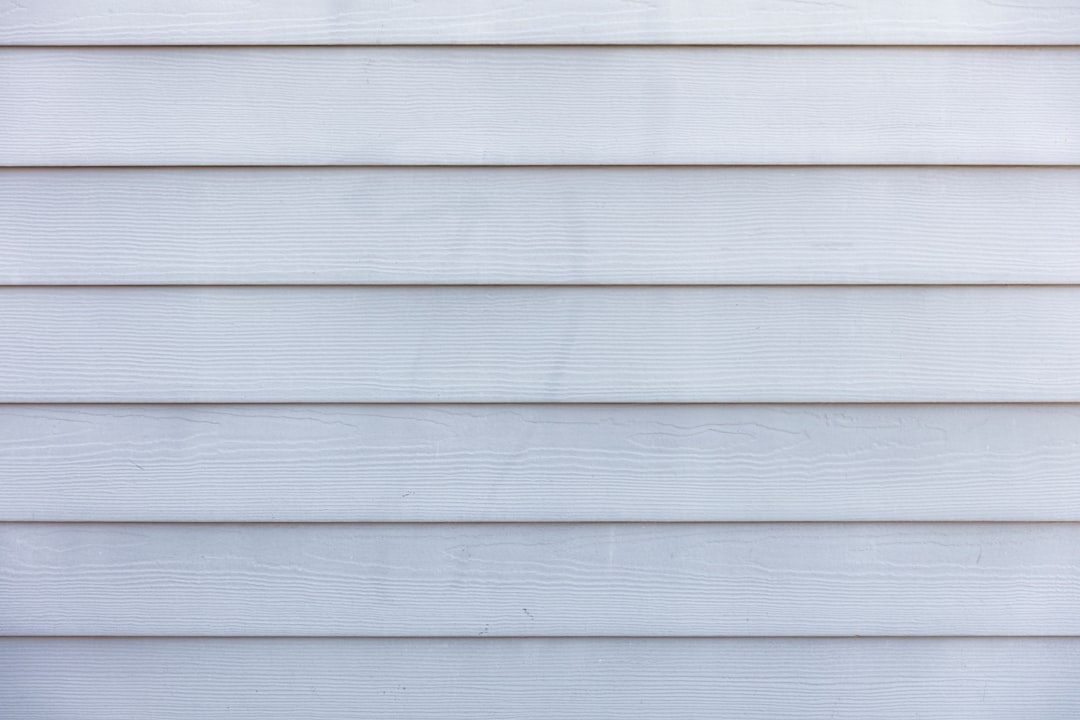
<point>611,344</point>
<point>659,225</point>
<point>444,463</point>
<point>656,579</point>
<point>552,21</point>
<point>529,679</point>
<point>541,105</point>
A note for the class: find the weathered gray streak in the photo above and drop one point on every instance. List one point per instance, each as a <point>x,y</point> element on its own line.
<point>645,225</point>
<point>507,106</point>
<point>539,462</point>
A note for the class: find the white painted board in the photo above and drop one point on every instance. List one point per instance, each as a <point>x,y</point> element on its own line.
<point>199,22</point>
<point>530,679</point>
<point>592,579</point>
<point>657,225</point>
<point>541,105</point>
<point>512,463</point>
<point>485,344</point>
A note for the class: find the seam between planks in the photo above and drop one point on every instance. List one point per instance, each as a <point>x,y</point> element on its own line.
<point>571,403</point>
<point>490,638</point>
<point>553,45</point>
<point>501,286</point>
<point>520,523</point>
<point>543,166</point>
<point>518,638</point>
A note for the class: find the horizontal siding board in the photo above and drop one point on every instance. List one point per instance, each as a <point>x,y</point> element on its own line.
<point>525,679</point>
<point>506,106</point>
<point>539,225</point>
<point>539,462</point>
<point>560,21</point>
<point>549,579</point>
<point>618,344</point>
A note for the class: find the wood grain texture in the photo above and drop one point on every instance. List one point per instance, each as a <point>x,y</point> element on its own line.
<point>551,21</point>
<point>619,344</point>
<point>540,579</point>
<point>578,225</point>
<point>507,106</point>
<point>528,679</point>
<point>539,462</point>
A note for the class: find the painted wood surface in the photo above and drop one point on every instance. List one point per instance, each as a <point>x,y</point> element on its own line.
<point>551,21</point>
<point>439,463</point>
<point>593,579</point>
<point>507,106</point>
<point>576,225</point>
<point>362,536</point>
<point>525,679</point>
<point>619,344</point>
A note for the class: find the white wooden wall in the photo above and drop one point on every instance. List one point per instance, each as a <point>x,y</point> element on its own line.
<point>601,359</point>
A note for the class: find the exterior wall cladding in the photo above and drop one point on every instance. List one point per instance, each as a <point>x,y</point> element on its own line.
<point>416,360</point>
